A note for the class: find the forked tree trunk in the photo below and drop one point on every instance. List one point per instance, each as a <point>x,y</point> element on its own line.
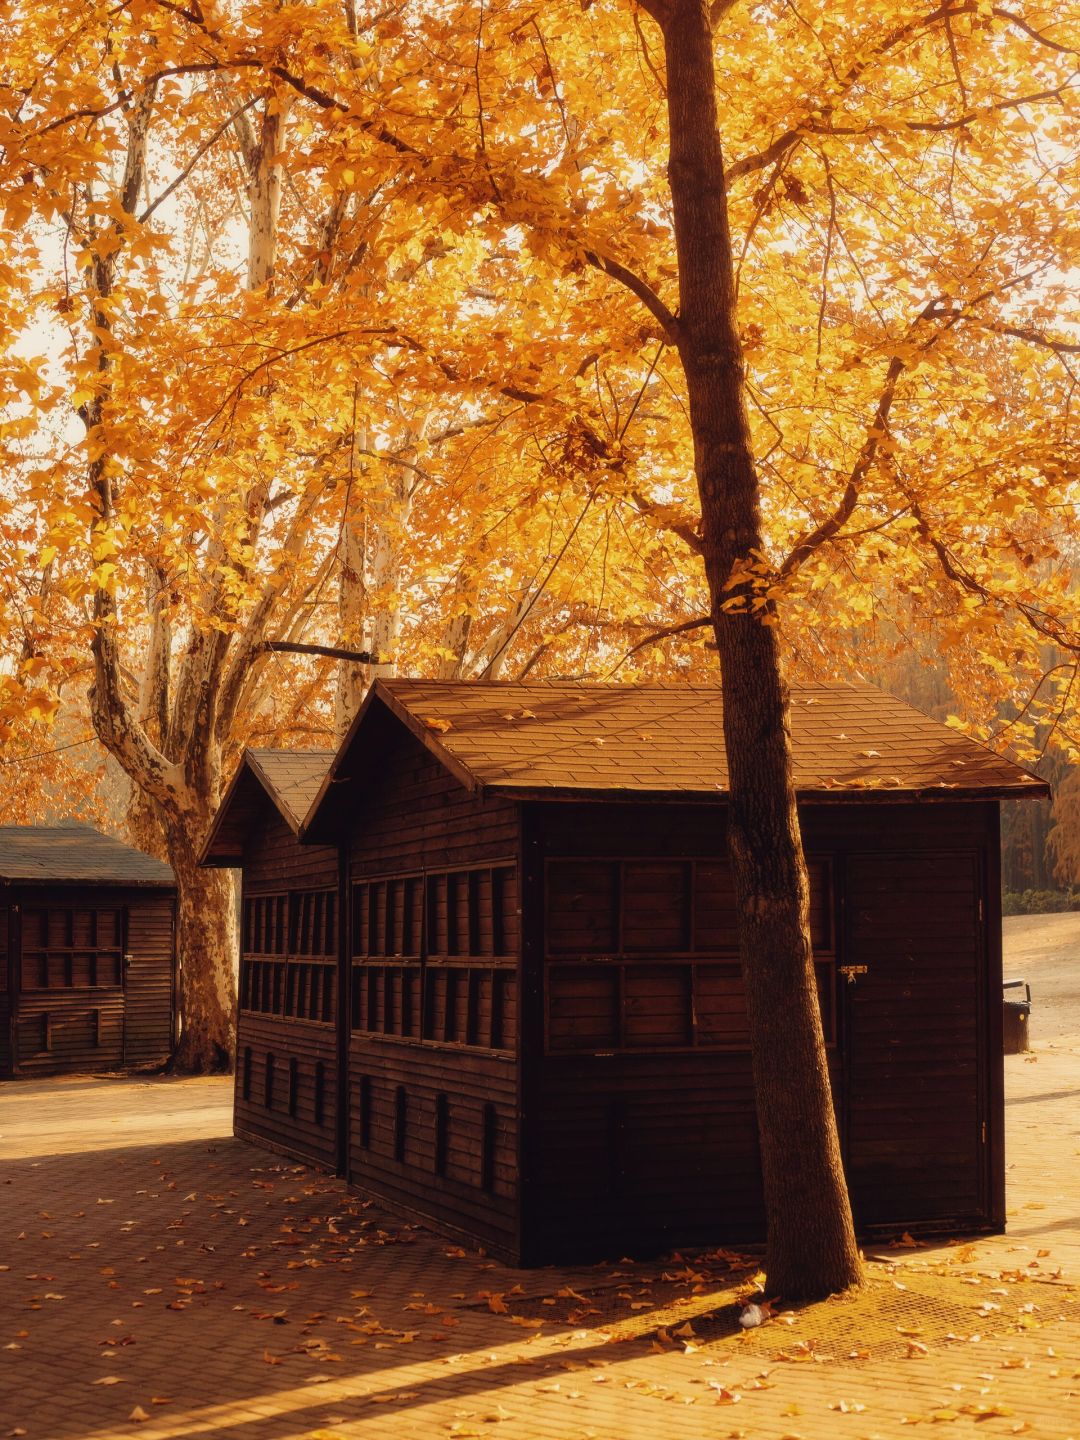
<point>205,928</point>
<point>811,1243</point>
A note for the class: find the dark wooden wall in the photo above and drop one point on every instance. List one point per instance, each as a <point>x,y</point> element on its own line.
<point>72,1007</point>
<point>6,985</point>
<point>542,1017</point>
<point>636,1077</point>
<point>287,1049</point>
<point>434,943</point>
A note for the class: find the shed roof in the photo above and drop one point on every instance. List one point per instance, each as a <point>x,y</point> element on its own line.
<point>551,739</point>
<point>290,779</point>
<point>75,854</point>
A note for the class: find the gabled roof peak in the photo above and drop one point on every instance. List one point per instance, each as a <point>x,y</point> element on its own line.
<point>565,738</point>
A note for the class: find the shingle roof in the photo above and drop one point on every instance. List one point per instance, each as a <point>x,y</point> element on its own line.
<point>290,779</point>
<point>75,854</point>
<point>850,741</point>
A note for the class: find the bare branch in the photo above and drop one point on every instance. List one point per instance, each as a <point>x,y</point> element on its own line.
<point>199,153</point>
<point>664,633</point>
<point>639,287</point>
<point>333,652</point>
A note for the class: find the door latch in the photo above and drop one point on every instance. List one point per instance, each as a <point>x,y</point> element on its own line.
<point>852,972</point>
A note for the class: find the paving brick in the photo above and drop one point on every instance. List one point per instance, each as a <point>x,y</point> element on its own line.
<point>263,1301</point>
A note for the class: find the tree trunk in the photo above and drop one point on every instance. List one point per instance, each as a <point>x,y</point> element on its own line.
<point>811,1243</point>
<point>352,589</point>
<point>206,928</point>
<point>390,519</point>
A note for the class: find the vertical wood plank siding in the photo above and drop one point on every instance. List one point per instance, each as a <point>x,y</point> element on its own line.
<point>288,993</point>
<point>148,1019</point>
<point>638,1089</point>
<point>914,1141</point>
<point>77,1007</point>
<point>434,946</point>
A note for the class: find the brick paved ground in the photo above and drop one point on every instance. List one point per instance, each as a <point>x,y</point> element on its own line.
<point>148,1260</point>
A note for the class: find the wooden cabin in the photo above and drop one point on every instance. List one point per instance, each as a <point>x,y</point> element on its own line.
<point>287,1036</point>
<point>87,952</point>
<point>546,1048</point>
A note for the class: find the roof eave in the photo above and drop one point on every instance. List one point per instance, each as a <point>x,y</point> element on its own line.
<point>232,861</point>
<point>381,692</point>
<point>113,882</point>
<point>284,810</point>
<point>205,859</point>
<point>429,738</point>
<point>828,795</point>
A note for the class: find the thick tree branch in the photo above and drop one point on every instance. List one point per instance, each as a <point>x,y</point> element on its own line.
<point>639,287</point>
<point>684,627</point>
<point>199,153</point>
<point>1030,336</point>
<point>878,430</point>
<point>667,517</point>
<point>822,124</point>
<point>829,528</point>
<point>332,652</point>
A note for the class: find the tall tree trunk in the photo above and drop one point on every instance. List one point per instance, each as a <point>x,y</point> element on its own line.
<point>206,928</point>
<point>352,602</point>
<point>811,1243</point>
<point>390,521</point>
<point>352,589</point>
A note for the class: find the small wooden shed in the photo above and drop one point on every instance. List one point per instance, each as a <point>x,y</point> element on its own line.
<point>87,952</point>
<point>545,1047</point>
<point>287,1034</point>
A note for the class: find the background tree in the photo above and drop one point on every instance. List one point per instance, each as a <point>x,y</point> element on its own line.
<point>810,357</point>
<point>229,435</point>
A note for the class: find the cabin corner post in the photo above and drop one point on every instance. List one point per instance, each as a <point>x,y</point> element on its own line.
<point>530,1036</point>
<point>993,1033</point>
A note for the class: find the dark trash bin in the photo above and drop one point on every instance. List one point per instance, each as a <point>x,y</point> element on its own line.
<point>1017,1014</point>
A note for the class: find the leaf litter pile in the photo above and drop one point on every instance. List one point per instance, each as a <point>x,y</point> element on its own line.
<point>313,1294</point>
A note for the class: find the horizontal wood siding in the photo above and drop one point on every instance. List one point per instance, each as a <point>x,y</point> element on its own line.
<point>72,987</point>
<point>148,981</point>
<point>274,860</point>
<point>413,815</point>
<point>73,1032</point>
<point>282,881</point>
<point>433,1093</point>
<point>299,1112</point>
<point>5,992</point>
<point>641,1140</point>
<point>476,1193</point>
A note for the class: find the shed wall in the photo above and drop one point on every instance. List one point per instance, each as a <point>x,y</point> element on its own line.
<point>70,989</point>
<point>637,1080</point>
<point>287,1052</point>
<point>5,988</point>
<point>433,1115</point>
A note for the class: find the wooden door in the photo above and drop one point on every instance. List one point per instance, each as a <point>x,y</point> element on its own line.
<point>914,1039</point>
<point>148,979</point>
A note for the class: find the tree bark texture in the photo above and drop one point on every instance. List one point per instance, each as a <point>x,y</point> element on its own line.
<point>811,1244</point>
<point>205,941</point>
